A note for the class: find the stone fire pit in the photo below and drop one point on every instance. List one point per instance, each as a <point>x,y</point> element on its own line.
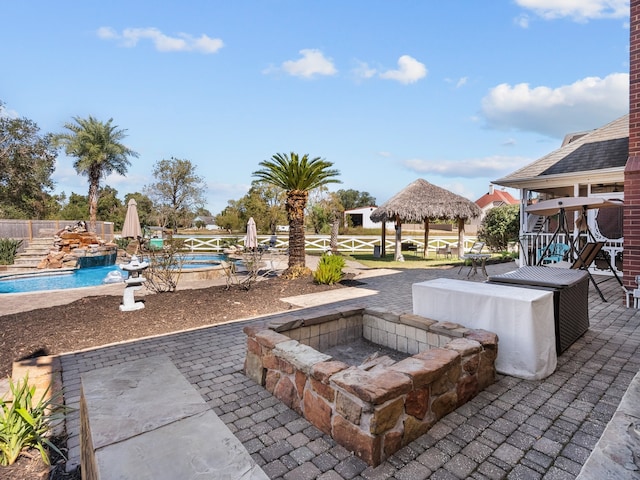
<point>381,405</point>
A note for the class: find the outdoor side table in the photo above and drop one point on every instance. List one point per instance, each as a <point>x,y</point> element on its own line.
<point>570,298</point>
<point>475,259</point>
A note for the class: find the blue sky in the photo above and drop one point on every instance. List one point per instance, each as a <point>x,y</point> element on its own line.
<point>459,93</point>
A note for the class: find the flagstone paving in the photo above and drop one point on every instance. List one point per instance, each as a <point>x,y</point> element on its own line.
<point>515,429</point>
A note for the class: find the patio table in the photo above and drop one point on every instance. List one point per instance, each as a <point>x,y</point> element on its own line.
<point>522,318</point>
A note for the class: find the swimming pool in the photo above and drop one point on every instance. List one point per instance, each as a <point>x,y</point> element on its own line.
<point>89,277</point>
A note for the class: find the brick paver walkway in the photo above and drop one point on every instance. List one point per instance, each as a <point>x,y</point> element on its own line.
<point>515,429</point>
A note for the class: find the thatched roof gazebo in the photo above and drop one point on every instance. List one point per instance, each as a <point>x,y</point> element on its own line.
<point>422,201</point>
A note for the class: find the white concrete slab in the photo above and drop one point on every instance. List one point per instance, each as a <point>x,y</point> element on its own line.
<point>198,447</point>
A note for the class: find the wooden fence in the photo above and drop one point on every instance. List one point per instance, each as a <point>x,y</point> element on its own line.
<point>29,229</point>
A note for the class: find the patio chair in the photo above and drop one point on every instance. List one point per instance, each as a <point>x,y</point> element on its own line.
<point>554,253</point>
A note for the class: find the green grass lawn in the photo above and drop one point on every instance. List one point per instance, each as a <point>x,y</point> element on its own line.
<point>411,260</point>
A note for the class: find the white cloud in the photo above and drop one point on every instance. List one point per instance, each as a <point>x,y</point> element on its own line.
<point>363,71</point>
<point>578,10</point>
<point>583,105</point>
<point>409,70</point>
<point>312,63</point>
<point>522,21</point>
<point>470,168</point>
<point>462,82</point>
<point>183,42</point>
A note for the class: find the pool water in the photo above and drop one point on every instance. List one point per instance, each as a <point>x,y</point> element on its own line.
<point>89,277</point>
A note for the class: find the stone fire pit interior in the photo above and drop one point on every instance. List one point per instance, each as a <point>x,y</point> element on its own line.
<point>375,406</point>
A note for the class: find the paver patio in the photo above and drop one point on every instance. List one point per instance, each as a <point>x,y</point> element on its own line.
<point>514,429</point>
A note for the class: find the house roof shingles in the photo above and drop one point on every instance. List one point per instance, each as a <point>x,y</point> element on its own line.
<point>603,148</point>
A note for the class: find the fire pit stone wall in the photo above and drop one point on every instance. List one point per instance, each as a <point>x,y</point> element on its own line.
<point>376,408</point>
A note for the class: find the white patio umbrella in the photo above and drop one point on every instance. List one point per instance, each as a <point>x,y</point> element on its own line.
<point>251,240</point>
<point>131,227</point>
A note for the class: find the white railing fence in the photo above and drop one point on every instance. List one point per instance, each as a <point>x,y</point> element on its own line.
<point>534,244</point>
<point>321,243</point>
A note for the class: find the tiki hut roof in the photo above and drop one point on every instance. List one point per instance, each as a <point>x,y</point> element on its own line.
<point>422,200</point>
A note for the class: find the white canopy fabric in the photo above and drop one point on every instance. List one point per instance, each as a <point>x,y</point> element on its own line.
<point>570,204</point>
<point>251,239</point>
<point>131,227</point>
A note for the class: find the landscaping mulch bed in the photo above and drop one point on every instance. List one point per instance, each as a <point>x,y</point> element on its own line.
<point>97,320</point>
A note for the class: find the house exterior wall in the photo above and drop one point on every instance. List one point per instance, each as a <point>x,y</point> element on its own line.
<point>631,224</point>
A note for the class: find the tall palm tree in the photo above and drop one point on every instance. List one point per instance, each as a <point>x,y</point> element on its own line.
<point>98,151</point>
<point>297,175</point>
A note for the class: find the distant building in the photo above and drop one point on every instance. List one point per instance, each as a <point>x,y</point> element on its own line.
<point>494,198</point>
<point>209,222</point>
<point>360,217</point>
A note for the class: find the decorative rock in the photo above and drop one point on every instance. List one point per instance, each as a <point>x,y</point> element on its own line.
<point>371,388</point>
<point>286,392</point>
<point>392,443</point>
<point>322,371</point>
<point>417,403</point>
<point>302,357</point>
<point>414,428</point>
<point>253,368</point>
<point>444,404</point>
<point>324,317</point>
<point>485,338</point>
<point>467,389</point>
<point>272,377</point>
<point>270,339</point>
<point>285,324</point>
<point>317,411</point>
<point>301,381</point>
<point>385,417</point>
<point>425,367</point>
<point>464,346</point>
<point>323,390</point>
<point>348,408</point>
<point>351,437</point>
<point>470,364</point>
<point>416,321</point>
<point>446,381</point>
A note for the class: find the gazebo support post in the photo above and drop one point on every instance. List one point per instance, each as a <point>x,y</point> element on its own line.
<point>383,247</point>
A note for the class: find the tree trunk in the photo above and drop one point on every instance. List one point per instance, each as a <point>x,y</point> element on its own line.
<point>460,237</point>
<point>295,205</point>
<point>398,253</point>
<point>426,238</point>
<point>93,205</point>
<point>335,230</point>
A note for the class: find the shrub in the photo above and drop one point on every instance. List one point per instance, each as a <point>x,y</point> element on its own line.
<point>8,250</point>
<point>329,269</point>
<point>122,243</point>
<point>500,226</point>
<point>25,424</point>
<point>165,266</point>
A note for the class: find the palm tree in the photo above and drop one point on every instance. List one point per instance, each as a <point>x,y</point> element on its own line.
<point>297,175</point>
<point>98,151</point>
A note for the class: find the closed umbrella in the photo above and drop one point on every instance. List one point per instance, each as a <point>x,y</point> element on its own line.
<point>131,227</point>
<point>251,240</point>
